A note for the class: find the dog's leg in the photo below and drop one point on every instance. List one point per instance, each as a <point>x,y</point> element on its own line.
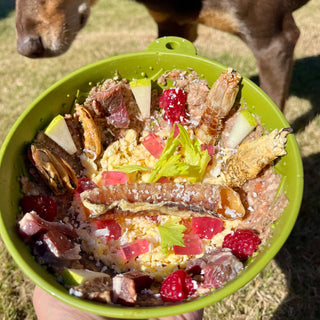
<point>275,60</point>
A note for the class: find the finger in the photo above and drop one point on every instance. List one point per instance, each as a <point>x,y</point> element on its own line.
<point>194,315</point>
<point>49,308</point>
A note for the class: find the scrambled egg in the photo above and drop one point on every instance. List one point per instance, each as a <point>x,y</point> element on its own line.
<point>135,227</point>
<point>125,151</point>
<point>128,151</point>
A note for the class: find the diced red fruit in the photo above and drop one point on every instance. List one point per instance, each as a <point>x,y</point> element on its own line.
<point>177,286</point>
<point>133,249</point>
<point>45,207</point>
<point>188,224</point>
<point>153,144</point>
<point>212,150</point>
<point>113,177</point>
<point>173,102</point>
<point>243,243</point>
<point>163,180</point>
<point>113,227</point>
<point>85,184</point>
<point>206,227</point>
<point>193,245</point>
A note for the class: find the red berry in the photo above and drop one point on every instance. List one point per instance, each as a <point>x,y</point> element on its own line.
<point>45,207</point>
<point>177,286</point>
<point>243,243</point>
<point>173,102</point>
<point>85,184</point>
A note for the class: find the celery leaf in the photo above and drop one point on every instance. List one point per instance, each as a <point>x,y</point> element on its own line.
<point>190,161</point>
<point>171,234</point>
<point>197,159</point>
<point>131,168</point>
<point>168,151</point>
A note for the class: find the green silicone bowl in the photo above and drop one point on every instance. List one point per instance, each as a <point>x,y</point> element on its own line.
<point>161,55</point>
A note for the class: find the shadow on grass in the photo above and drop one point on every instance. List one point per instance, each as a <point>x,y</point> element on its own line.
<point>305,84</point>
<point>299,258</point>
<point>6,6</point>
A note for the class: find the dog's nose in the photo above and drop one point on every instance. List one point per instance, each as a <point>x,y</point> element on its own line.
<point>30,47</point>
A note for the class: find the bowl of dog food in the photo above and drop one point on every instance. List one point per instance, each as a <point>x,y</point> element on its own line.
<point>149,184</point>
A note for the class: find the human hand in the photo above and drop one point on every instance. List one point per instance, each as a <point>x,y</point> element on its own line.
<point>50,308</point>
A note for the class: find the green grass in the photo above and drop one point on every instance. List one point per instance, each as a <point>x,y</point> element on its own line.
<point>288,288</point>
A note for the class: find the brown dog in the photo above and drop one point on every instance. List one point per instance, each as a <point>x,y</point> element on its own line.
<point>46,28</point>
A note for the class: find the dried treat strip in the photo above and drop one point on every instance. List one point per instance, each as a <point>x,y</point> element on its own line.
<point>214,199</point>
<point>219,102</point>
<point>253,156</point>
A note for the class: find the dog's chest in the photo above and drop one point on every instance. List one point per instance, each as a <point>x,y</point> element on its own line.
<point>220,19</point>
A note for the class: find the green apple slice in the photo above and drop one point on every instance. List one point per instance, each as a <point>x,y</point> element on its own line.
<point>141,89</point>
<point>59,132</point>
<point>74,277</point>
<point>244,124</point>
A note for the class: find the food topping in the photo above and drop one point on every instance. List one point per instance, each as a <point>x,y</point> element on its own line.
<point>153,144</point>
<point>44,206</point>
<point>56,172</point>
<point>141,89</point>
<point>159,200</point>
<point>200,198</point>
<point>59,132</point>
<point>108,228</point>
<point>244,124</point>
<point>243,243</point>
<point>173,102</point>
<point>206,227</point>
<point>113,177</point>
<point>177,286</point>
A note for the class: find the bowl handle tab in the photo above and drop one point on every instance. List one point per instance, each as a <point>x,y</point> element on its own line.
<point>172,45</point>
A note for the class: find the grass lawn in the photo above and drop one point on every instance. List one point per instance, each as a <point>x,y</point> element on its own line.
<point>288,288</point>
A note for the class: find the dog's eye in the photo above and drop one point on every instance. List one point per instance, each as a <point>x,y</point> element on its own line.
<point>83,19</point>
<point>84,11</point>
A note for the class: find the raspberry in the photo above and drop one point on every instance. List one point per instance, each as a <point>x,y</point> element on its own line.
<point>173,102</point>
<point>177,286</point>
<point>85,184</point>
<point>243,243</point>
<point>45,207</point>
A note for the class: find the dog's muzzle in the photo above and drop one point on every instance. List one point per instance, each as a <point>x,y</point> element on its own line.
<point>31,47</point>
